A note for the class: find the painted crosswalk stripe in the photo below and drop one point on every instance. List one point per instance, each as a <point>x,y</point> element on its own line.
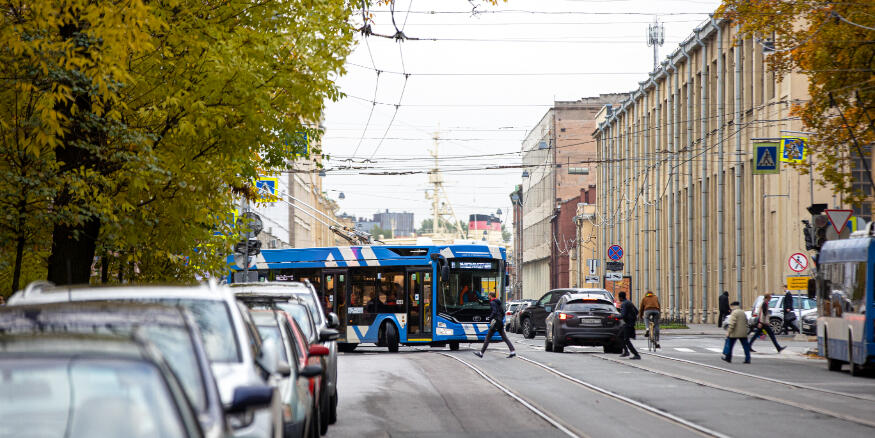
<point>685,350</point>
<point>716,350</point>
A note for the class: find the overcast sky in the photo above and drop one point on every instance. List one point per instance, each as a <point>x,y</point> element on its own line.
<point>482,85</point>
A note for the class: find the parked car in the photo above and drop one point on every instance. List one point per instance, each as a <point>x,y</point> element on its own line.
<point>802,305</point>
<point>809,324</point>
<point>299,407</point>
<point>324,333</point>
<point>583,319</point>
<point>91,385</point>
<point>172,330</point>
<point>515,318</point>
<point>232,342</point>
<point>510,308</point>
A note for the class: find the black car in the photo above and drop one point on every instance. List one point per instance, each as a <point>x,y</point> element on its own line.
<point>172,330</point>
<point>583,319</point>
<point>531,319</point>
<point>90,385</point>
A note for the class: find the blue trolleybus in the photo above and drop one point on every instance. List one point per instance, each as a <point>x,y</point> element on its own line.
<point>396,295</point>
<point>846,308</point>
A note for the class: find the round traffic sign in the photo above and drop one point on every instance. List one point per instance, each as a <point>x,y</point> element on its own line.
<point>615,252</point>
<point>798,262</point>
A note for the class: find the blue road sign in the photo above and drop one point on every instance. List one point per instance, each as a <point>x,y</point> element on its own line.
<point>615,252</point>
<point>767,158</point>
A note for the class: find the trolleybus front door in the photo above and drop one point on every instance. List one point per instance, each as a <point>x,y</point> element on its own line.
<point>419,305</point>
<point>334,296</point>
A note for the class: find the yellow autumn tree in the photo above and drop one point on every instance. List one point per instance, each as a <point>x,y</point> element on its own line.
<point>833,44</point>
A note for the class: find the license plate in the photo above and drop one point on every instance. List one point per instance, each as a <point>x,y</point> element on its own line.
<point>590,321</point>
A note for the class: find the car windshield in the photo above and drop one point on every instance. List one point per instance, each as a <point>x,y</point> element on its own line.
<point>312,305</point>
<point>301,316</point>
<point>589,306</point>
<point>177,347</point>
<point>273,332</point>
<point>85,398</point>
<point>214,321</point>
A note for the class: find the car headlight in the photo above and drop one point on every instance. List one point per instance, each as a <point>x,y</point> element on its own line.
<point>444,331</point>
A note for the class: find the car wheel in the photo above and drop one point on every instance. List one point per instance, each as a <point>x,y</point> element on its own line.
<point>454,346</point>
<point>324,410</point>
<point>528,330</point>
<point>558,347</point>
<point>391,337</point>
<point>332,414</point>
<point>776,324</point>
<point>548,346</point>
<point>314,422</point>
<point>346,348</point>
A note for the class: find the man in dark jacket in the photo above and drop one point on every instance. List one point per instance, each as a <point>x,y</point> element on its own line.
<point>723,307</point>
<point>629,315</point>
<point>496,325</point>
<point>789,315</point>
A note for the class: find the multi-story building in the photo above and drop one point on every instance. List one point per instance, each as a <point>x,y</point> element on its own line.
<point>559,157</point>
<point>678,191</point>
<point>401,224</point>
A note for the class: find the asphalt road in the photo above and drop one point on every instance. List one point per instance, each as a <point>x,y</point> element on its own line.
<point>682,390</point>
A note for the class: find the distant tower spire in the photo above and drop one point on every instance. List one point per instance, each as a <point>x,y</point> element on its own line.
<point>655,38</point>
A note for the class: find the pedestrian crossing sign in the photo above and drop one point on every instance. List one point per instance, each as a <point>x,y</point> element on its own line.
<point>794,149</point>
<point>266,188</point>
<point>767,159</point>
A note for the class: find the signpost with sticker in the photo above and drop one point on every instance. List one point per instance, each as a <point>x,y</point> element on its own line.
<point>794,149</point>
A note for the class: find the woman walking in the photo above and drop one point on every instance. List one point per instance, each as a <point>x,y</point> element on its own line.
<point>763,324</point>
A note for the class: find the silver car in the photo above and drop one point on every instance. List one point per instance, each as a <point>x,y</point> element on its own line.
<point>231,339</point>
<point>325,330</point>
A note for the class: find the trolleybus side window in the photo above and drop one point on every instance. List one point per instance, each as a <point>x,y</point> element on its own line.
<point>843,288</point>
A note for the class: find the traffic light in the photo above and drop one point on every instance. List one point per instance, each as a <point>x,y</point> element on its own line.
<point>820,224</point>
<point>809,236</point>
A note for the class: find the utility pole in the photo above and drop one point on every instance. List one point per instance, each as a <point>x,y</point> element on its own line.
<point>655,38</point>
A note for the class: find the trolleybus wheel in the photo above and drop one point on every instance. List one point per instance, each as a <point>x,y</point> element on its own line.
<point>855,369</point>
<point>454,346</point>
<point>391,337</point>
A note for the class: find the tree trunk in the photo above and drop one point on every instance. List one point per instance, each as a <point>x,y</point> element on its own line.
<point>71,258</point>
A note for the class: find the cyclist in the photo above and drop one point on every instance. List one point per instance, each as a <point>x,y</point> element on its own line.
<point>650,307</point>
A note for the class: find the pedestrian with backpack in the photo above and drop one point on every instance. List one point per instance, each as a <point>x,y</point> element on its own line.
<point>629,315</point>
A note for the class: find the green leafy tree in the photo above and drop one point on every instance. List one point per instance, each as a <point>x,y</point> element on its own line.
<point>129,128</point>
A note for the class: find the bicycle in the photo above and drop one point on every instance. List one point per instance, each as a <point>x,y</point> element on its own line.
<point>651,334</point>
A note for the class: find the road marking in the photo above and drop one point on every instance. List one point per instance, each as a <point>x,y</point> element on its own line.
<point>528,405</point>
<point>685,350</point>
<point>778,400</point>
<point>767,379</point>
<point>716,350</point>
<point>654,410</point>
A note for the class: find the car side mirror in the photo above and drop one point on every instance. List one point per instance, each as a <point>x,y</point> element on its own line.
<point>328,334</point>
<point>250,397</point>
<point>333,320</point>
<point>283,369</point>
<point>318,350</point>
<point>310,371</point>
